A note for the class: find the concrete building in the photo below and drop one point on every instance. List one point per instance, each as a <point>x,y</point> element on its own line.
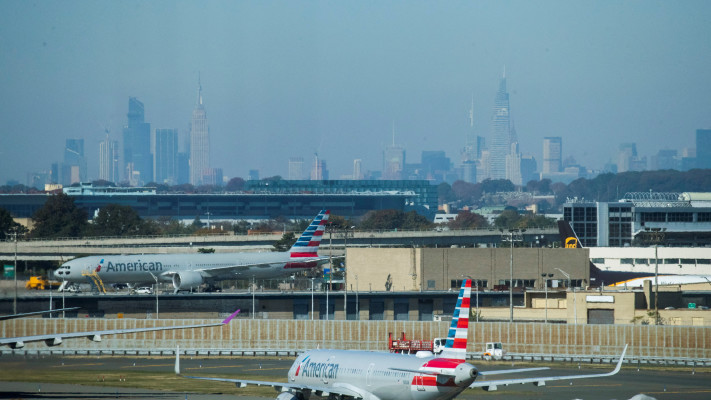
<point>432,269</point>
<point>684,219</point>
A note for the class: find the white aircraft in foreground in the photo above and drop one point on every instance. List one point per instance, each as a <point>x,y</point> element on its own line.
<point>55,339</point>
<point>187,271</point>
<point>348,374</point>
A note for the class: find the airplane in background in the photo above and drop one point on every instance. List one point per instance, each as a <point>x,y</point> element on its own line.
<point>55,339</point>
<point>569,239</point>
<point>188,271</point>
<point>349,374</point>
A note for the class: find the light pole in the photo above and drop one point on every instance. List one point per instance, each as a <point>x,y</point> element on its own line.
<point>545,287</point>
<point>357,304</point>
<point>477,300</point>
<point>14,275</point>
<point>253,285</point>
<point>312,299</point>
<point>575,299</point>
<point>511,283</point>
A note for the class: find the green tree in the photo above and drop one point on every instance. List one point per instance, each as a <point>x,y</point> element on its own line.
<point>59,217</point>
<point>235,184</point>
<point>507,219</point>
<point>394,219</point>
<point>116,220</point>
<point>8,225</point>
<point>468,220</point>
<point>285,243</point>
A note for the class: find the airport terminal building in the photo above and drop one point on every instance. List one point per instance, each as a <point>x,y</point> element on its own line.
<point>259,200</point>
<point>667,219</point>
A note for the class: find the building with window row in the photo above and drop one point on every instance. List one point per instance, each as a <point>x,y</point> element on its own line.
<point>644,219</point>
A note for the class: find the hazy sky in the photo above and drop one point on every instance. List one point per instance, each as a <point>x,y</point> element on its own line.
<point>290,78</point>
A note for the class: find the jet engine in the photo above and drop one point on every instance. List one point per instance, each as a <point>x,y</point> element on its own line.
<point>186,280</point>
<point>465,374</point>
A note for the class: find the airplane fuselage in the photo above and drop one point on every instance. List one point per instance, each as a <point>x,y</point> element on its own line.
<point>142,268</point>
<point>384,375</point>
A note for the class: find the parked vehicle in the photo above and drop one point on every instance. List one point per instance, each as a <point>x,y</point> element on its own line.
<point>144,290</point>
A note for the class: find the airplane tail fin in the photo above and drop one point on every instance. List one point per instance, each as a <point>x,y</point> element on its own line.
<point>307,244</point>
<point>568,236</point>
<point>456,345</point>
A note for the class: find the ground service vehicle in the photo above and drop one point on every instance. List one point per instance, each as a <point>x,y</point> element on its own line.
<point>493,350</point>
<point>41,283</point>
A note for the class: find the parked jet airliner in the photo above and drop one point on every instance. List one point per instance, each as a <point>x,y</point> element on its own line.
<point>348,374</point>
<point>187,271</point>
<point>55,339</point>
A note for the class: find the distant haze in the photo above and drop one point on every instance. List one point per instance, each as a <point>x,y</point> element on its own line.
<point>284,79</point>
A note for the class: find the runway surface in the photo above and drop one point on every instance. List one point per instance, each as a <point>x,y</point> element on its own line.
<point>100,378</point>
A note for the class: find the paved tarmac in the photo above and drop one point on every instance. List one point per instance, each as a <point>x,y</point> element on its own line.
<point>655,383</point>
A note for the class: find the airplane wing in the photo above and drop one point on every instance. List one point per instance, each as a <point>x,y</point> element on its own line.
<point>321,391</point>
<point>209,272</point>
<point>55,339</point>
<point>541,381</point>
<point>13,316</point>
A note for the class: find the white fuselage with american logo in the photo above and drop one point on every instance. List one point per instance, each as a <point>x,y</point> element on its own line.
<point>215,266</point>
<point>383,375</point>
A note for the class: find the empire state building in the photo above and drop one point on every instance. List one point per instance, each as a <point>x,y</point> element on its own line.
<point>199,142</point>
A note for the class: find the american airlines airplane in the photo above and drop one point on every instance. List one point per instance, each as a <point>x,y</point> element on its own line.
<point>348,374</point>
<point>55,339</point>
<point>188,271</point>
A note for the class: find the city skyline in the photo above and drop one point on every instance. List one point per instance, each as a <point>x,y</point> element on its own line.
<point>336,80</point>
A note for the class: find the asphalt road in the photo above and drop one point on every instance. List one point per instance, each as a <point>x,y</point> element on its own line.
<point>655,383</point>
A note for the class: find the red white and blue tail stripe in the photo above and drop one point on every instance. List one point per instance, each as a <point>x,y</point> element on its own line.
<point>307,244</point>
<point>456,345</point>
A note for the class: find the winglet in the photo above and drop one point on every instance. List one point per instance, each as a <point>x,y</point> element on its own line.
<point>228,319</point>
<point>177,359</point>
<point>619,362</point>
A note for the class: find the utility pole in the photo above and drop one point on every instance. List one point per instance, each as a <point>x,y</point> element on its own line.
<point>14,275</point>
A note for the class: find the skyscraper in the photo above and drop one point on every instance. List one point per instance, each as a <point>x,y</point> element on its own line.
<point>319,170</point>
<point>513,165</point>
<point>357,169</point>
<point>166,156</point>
<point>74,168</point>
<point>703,148</point>
<point>108,160</point>
<point>138,162</point>
<point>552,154</point>
<point>199,142</point>
<point>296,168</point>
<point>393,160</point>
<point>500,140</point>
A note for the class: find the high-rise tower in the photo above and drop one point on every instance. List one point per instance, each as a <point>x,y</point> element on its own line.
<point>74,167</point>
<point>500,138</point>
<point>552,154</point>
<point>166,156</point>
<point>393,160</point>
<point>296,168</point>
<point>137,158</point>
<point>108,160</point>
<point>199,142</point>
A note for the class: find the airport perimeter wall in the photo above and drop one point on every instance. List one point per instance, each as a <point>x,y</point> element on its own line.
<point>645,341</point>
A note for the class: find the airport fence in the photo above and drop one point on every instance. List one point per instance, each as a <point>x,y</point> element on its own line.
<point>645,341</point>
